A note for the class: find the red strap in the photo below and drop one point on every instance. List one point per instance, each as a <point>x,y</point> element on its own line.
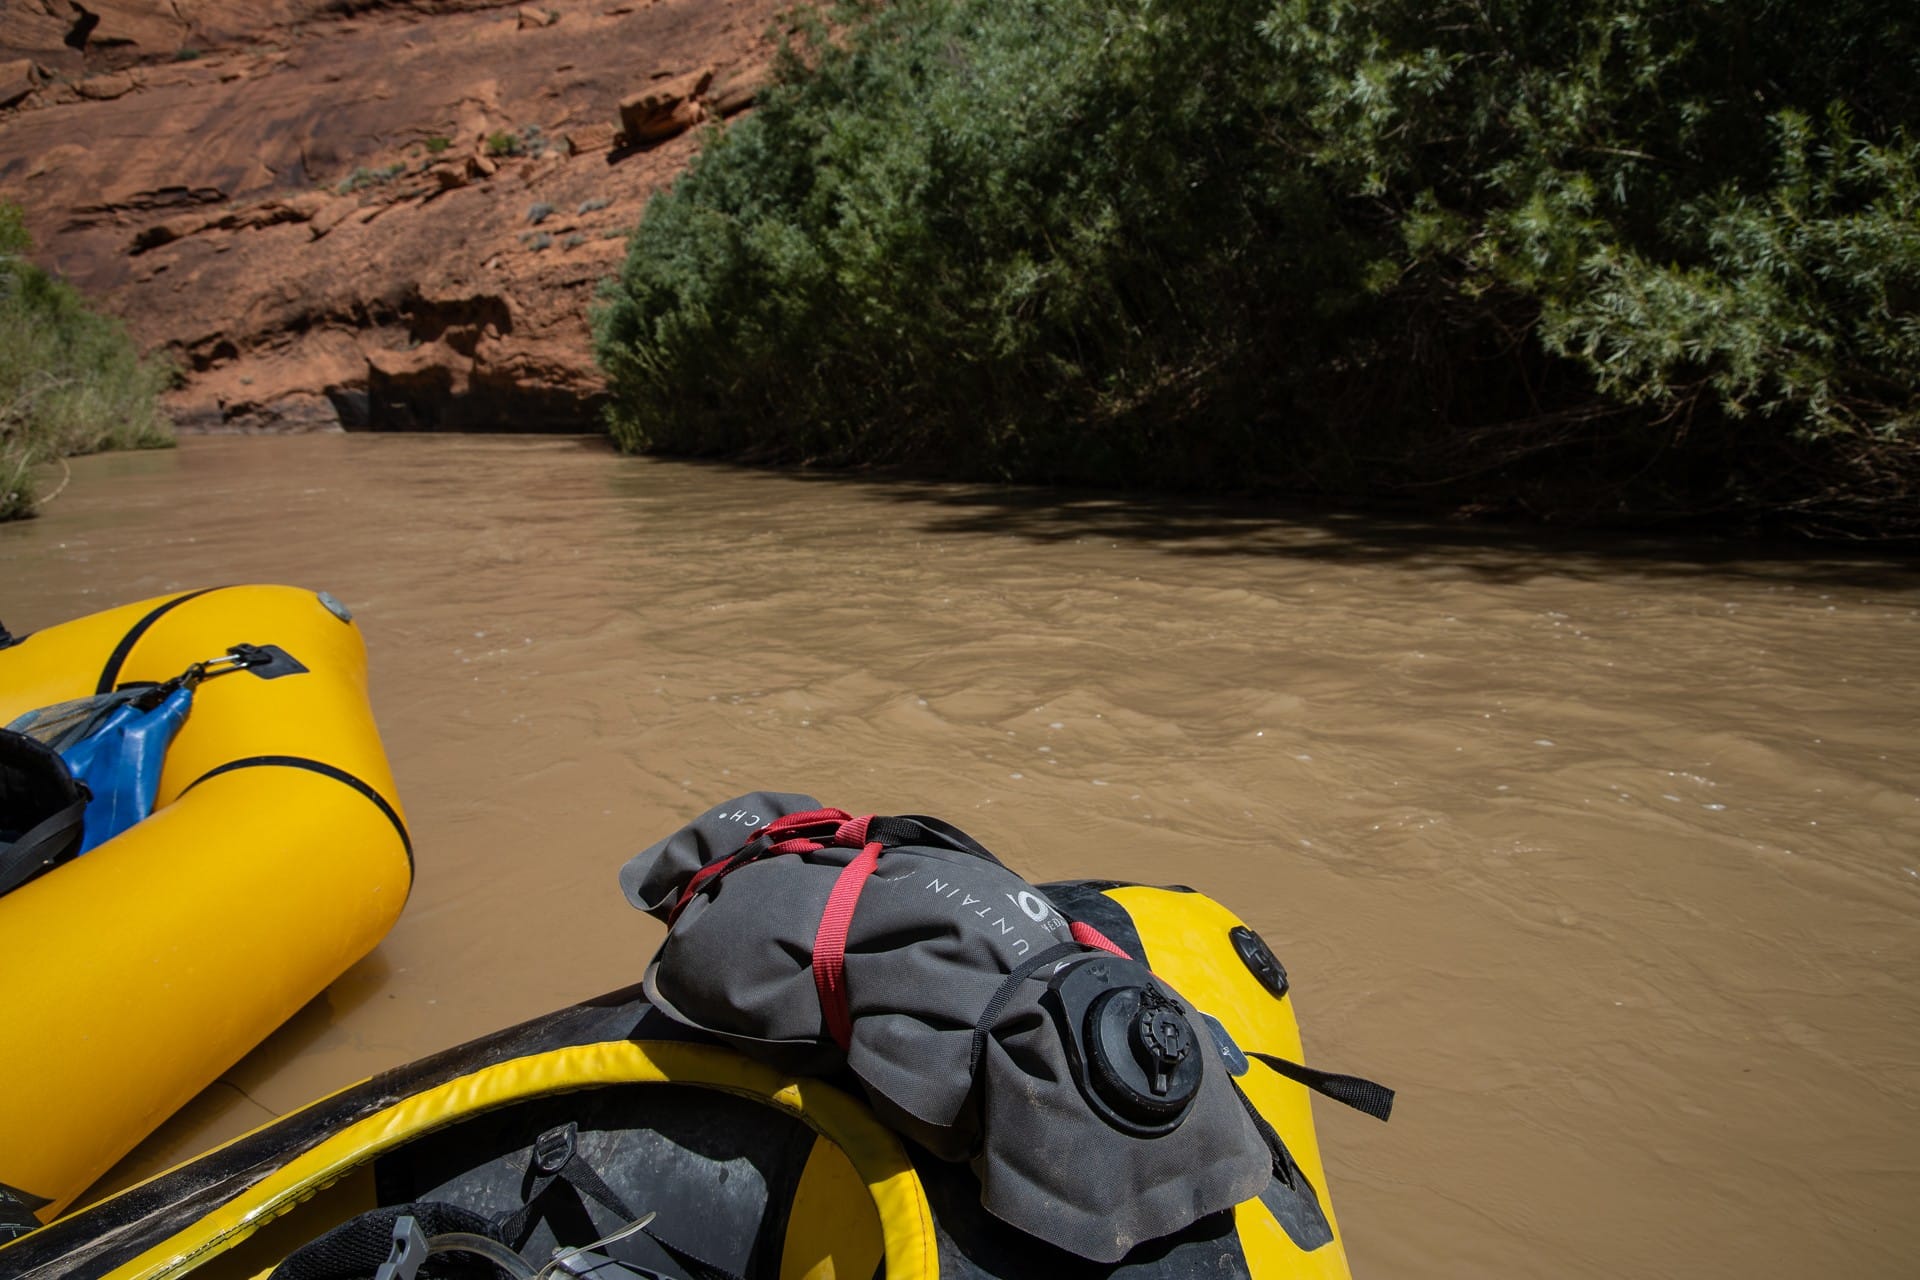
<point>1088,936</point>
<point>720,867</point>
<point>830,944</point>
<point>799,823</point>
<point>853,832</point>
<point>712,869</point>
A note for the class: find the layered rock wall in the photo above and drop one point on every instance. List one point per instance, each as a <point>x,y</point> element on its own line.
<point>341,213</point>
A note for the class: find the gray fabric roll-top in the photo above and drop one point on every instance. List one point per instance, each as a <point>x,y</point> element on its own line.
<point>936,933</point>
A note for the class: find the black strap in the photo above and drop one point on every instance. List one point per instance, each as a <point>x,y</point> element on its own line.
<point>321,767</point>
<point>1362,1095</point>
<point>39,847</point>
<point>110,674</point>
<point>916,828</point>
<point>555,1158</point>
<point>700,1267</point>
<point>983,1025</point>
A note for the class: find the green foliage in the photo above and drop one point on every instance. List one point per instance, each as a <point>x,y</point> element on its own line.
<point>539,213</point>
<point>503,144</point>
<point>1632,254</point>
<point>71,381</point>
<point>363,177</point>
<point>594,205</point>
<point>438,143</point>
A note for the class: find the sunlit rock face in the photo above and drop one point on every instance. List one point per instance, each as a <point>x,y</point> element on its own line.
<point>387,216</point>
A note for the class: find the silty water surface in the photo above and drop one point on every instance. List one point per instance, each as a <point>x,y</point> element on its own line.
<point>1607,857</point>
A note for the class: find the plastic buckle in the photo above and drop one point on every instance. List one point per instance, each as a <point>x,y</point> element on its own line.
<point>408,1252</point>
<point>553,1149</point>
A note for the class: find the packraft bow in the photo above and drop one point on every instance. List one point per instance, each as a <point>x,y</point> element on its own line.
<point>275,856</point>
<point>576,1126</point>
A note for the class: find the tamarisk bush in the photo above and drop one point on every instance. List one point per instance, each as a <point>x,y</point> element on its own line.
<point>1622,258</point>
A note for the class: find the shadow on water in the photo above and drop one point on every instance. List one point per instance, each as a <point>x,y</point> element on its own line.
<point>1496,551</point>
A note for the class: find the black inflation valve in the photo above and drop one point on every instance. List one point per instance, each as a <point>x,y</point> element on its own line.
<point>1259,959</point>
<point>1133,1051</point>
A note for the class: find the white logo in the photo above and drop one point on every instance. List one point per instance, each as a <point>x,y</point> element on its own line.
<point>1031,905</point>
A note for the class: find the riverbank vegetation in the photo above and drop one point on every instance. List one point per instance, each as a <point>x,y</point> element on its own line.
<point>71,380</point>
<point>1627,259</point>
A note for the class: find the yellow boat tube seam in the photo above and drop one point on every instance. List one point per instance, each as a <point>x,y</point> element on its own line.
<point>325,770</point>
<point>110,674</point>
<point>906,1219</point>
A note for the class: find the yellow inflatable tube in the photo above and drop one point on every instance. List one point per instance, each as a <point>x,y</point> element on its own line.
<point>853,1201</point>
<point>276,857</point>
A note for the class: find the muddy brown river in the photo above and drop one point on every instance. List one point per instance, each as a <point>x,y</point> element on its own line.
<point>1607,857</point>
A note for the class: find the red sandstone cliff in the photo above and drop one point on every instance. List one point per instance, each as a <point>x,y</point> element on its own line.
<point>353,212</point>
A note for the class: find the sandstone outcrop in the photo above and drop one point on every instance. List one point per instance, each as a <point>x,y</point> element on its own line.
<point>671,107</point>
<point>354,213</point>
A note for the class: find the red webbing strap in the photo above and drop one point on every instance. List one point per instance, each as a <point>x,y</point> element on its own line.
<point>1088,936</point>
<point>830,944</point>
<point>721,866</point>
<point>717,867</point>
<point>803,823</point>
<point>853,832</point>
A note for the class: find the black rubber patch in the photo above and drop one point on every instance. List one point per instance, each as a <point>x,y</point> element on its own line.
<point>118,658</point>
<point>1083,900</point>
<point>1297,1209</point>
<point>267,661</point>
<point>327,770</point>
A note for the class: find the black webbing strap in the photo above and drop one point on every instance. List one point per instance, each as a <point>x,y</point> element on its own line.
<point>915,828</point>
<point>555,1159</point>
<point>39,846</point>
<point>700,1267</point>
<point>1005,992</point>
<point>1362,1095</point>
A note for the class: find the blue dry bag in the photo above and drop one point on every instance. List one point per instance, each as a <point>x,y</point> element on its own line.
<point>119,762</point>
<point>77,774</point>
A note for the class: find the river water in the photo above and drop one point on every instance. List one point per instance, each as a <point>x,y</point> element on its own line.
<point>1608,857</point>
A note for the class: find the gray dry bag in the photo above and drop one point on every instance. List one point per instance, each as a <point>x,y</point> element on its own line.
<point>977,1019</point>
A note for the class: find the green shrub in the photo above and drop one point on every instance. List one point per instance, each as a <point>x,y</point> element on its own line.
<point>503,144</point>
<point>539,213</point>
<point>594,205</point>
<point>1628,255</point>
<point>437,143</point>
<point>71,381</point>
<point>363,177</point>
